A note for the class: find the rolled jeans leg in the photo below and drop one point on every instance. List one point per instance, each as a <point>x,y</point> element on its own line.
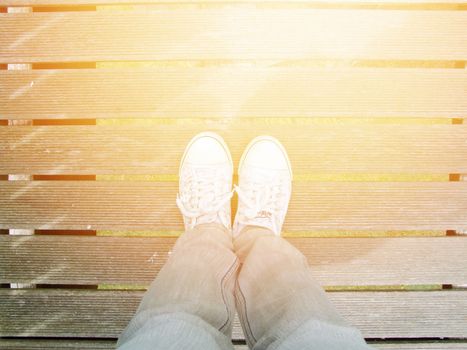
<point>194,291</point>
<point>280,304</point>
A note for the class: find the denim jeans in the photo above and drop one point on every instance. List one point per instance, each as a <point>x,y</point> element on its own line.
<point>192,302</point>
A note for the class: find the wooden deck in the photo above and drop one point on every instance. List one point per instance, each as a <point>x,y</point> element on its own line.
<point>99,97</point>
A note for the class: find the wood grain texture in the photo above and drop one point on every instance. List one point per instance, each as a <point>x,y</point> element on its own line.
<point>404,345</point>
<point>118,205</point>
<point>426,345</point>
<point>312,148</point>
<point>233,92</point>
<point>133,2</point>
<point>136,261</point>
<point>35,343</point>
<point>88,313</point>
<point>233,34</point>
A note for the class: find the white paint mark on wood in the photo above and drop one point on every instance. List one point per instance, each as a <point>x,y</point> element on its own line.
<point>153,258</point>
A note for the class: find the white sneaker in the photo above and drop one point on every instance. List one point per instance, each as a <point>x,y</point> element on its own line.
<point>265,185</point>
<point>205,185</point>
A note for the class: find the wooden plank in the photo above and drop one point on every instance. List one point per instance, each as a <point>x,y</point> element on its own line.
<point>136,261</point>
<point>37,343</point>
<point>126,2</point>
<point>242,33</point>
<point>313,148</point>
<point>90,313</point>
<point>118,205</point>
<point>404,345</point>
<point>233,92</point>
<point>426,345</point>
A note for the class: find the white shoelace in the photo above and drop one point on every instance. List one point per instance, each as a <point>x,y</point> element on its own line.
<point>260,203</point>
<point>202,203</point>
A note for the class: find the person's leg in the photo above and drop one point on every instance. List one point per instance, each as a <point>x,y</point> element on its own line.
<point>279,303</point>
<point>190,305</point>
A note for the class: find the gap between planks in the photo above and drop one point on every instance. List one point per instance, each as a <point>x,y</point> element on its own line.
<point>77,344</point>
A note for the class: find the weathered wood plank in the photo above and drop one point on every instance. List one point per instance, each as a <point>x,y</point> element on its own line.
<point>314,205</point>
<point>82,313</point>
<point>233,34</point>
<point>334,261</point>
<point>36,343</point>
<point>313,148</point>
<point>233,92</point>
<point>426,345</point>
<point>401,345</point>
<point>126,2</point>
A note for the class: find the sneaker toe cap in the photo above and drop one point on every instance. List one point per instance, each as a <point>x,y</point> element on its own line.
<point>207,150</point>
<point>267,154</point>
